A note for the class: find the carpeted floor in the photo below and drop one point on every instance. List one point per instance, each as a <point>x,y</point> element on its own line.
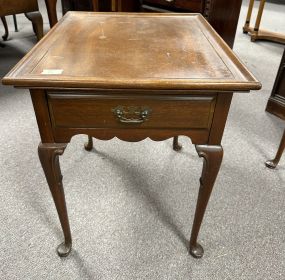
<point>131,206</point>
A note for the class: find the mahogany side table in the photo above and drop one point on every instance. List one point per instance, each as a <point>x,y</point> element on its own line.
<point>140,75</point>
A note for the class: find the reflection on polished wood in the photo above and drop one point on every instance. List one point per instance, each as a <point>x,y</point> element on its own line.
<point>177,78</point>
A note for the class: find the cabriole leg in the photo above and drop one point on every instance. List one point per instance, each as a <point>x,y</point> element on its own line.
<point>49,157</point>
<point>89,145</point>
<point>273,163</point>
<point>176,146</point>
<point>212,156</point>
<point>5,36</point>
<point>37,21</point>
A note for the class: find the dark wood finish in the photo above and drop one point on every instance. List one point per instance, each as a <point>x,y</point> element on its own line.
<point>223,15</point>
<point>212,156</point>
<point>66,111</point>
<point>274,162</point>
<point>89,145</point>
<point>15,23</point>
<point>193,5</point>
<point>42,114</point>
<point>51,10</point>
<point>220,118</point>
<point>37,22</point>
<point>85,5</point>
<point>276,106</point>
<point>29,7</point>
<point>276,102</point>
<point>176,145</point>
<point>11,7</point>
<point>102,6</point>
<point>177,78</point>
<point>6,34</point>
<point>49,157</point>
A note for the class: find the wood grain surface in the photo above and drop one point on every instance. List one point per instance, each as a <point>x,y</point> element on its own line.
<point>169,51</point>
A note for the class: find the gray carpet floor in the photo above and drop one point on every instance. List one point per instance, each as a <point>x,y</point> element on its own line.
<point>131,206</point>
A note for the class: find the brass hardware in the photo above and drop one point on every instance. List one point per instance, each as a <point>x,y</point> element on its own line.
<point>131,114</point>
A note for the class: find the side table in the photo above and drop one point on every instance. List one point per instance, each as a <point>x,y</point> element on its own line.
<point>141,75</point>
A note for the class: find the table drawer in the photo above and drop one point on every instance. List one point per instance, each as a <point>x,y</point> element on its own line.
<point>89,111</point>
<point>189,5</point>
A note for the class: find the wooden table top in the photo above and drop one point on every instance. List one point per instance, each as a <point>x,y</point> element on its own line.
<point>137,51</point>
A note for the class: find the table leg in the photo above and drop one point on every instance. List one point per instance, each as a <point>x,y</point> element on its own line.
<point>176,146</point>
<point>254,35</point>
<point>248,17</point>
<point>49,157</point>
<point>273,163</point>
<point>89,145</point>
<point>37,21</point>
<point>212,156</point>
<point>15,23</point>
<point>51,10</point>
<point>95,5</point>
<point>5,36</point>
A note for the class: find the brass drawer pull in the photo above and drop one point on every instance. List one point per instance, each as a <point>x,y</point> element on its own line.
<point>131,115</point>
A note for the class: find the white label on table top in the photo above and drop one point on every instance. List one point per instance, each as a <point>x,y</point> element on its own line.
<point>52,71</point>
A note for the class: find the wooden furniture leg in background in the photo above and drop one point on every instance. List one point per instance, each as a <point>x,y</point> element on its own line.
<point>254,34</point>
<point>212,156</point>
<point>176,146</point>
<point>95,5</point>
<point>49,157</point>
<point>51,10</point>
<point>116,6</point>
<point>15,23</point>
<point>37,21</point>
<point>273,163</point>
<point>248,17</point>
<point>5,36</point>
<point>89,145</point>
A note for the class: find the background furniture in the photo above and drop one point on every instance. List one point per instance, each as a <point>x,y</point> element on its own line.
<point>167,90</point>
<point>31,10</point>
<point>256,33</point>
<point>51,10</point>
<point>222,14</point>
<point>276,106</point>
<point>106,5</point>
<point>5,36</point>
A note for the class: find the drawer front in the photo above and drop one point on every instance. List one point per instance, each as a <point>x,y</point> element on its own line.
<point>90,111</point>
<point>189,5</point>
